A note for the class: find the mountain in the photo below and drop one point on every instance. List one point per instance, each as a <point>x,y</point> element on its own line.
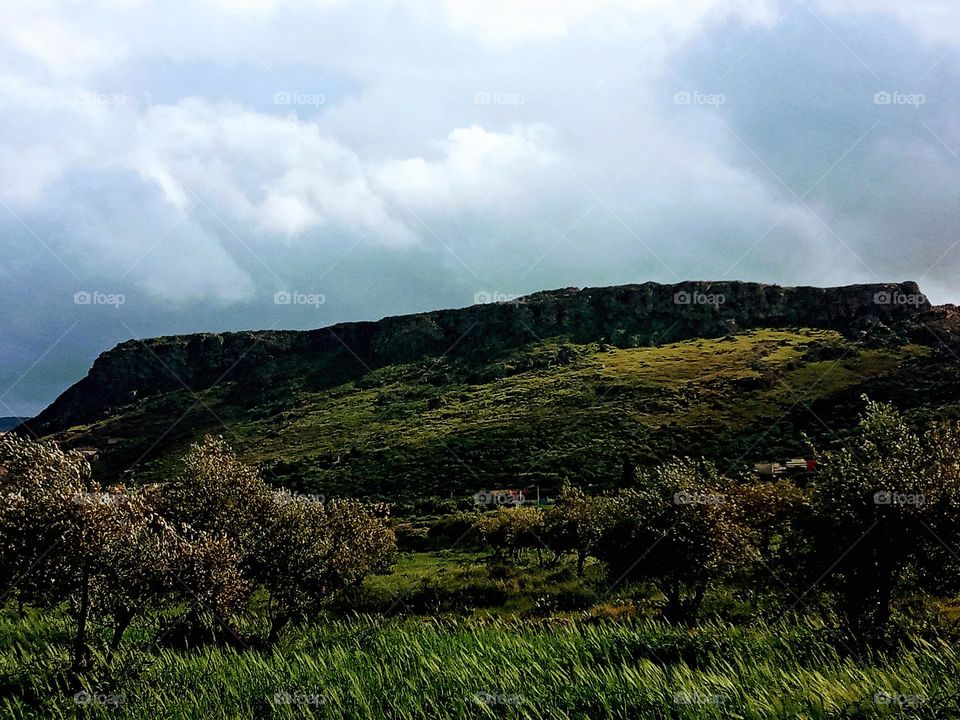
<point>9,423</point>
<point>565,383</point>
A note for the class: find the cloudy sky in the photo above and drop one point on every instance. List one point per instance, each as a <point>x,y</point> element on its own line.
<point>169,167</point>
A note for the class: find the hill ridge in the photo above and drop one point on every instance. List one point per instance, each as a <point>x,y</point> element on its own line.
<point>637,314</point>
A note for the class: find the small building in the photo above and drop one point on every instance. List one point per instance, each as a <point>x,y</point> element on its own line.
<point>791,466</point>
<point>510,497</point>
<point>768,468</point>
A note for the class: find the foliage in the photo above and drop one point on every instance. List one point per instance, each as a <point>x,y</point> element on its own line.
<point>572,525</point>
<point>679,529</point>
<point>106,553</point>
<point>513,530</point>
<point>886,512</point>
<point>299,549</point>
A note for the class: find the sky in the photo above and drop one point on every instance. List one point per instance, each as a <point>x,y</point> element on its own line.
<point>220,165</point>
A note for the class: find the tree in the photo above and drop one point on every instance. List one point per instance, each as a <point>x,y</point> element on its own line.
<point>886,516</point>
<point>104,553</point>
<point>777,513</point>
<point>570,526</point>
<point>300,550</point>
<point>678,530</point>
<point>513,530</point>
<point>218,493</point>
<point>315,550</point>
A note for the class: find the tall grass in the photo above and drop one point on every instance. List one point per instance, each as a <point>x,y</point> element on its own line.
<point>414,668</point>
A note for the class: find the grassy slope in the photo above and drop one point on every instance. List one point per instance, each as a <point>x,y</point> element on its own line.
<point>546,412</point>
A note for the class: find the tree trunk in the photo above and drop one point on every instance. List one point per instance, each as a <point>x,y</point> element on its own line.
<point>581,559</point>
<point>277,623</point>
<point>674,609</point>
<point>81,652</point>
<point>693,604</point>
<point>122,622</point>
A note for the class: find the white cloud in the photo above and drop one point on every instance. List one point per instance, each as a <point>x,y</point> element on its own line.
<point>287,214</point>
<point>506,22</point>
<point>935,20</point>
<point>256,166</point>
<point>57,44</point>
<point>477,168</point>
<point>280,177</point>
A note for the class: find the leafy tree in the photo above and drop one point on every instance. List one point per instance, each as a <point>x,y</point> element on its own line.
<point>571,524</point>
<point>778,515</point>
<point>104,553</point>
<point>218,493</point>
<point>315,550</point>
<point>513,530</point>
<point>886,516</point>
<point>678,530</point>
<point>300,550</point>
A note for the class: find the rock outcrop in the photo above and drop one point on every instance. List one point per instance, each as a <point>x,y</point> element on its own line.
<point>633,314</point>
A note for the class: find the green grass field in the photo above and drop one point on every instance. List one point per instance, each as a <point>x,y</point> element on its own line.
<point>457,634</point>
<point>427,668</point>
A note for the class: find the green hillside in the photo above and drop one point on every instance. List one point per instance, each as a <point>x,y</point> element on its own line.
<point>541,413</point>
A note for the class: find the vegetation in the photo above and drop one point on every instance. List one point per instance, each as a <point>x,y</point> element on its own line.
<point>892,497</point>
<point>366,667</point>
<point>680,530</point>
<point>215,535</point>
<point>688,592</point>
<point>103,553</point>
<point>417,432</point>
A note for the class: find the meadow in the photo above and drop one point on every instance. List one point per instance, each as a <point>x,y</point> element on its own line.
<point>418,667</point>
<point>457,635</point>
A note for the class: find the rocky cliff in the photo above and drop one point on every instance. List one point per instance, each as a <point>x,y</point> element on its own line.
<point>631,315</point>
